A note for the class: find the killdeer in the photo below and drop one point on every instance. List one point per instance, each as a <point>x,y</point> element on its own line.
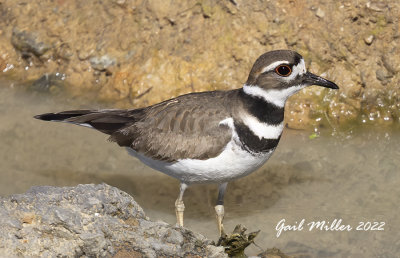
<point>207,137</point>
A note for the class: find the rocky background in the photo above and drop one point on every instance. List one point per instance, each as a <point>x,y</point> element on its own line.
<point>135,52</point>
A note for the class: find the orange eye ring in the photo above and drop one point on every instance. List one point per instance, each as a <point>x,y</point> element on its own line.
<point>283,70</point>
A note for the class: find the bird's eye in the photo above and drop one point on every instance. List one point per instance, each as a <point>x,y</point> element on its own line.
<point>283,70</point>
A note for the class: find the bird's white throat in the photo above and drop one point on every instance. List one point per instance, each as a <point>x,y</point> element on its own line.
<point>277,97</point>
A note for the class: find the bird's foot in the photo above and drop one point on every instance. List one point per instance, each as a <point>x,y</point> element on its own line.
<point>238,241</point>
<point>219,211</point>
<point>179,209</point>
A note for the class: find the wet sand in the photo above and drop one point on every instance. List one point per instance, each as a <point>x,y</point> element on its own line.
<point>352,177</point>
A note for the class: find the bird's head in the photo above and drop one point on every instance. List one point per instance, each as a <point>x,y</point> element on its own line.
<point>281,73</point>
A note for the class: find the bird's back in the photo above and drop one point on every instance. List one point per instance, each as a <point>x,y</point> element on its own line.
<point>185,127</point>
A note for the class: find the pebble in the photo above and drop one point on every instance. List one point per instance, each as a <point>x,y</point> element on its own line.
<point>102,63</point>
<point>320,13</point>
<point>376,6</point>
<point>120,2</point>
<point>380,75</point>
<point>368,40</point>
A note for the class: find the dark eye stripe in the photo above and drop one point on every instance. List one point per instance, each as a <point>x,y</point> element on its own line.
<point>283,70</point>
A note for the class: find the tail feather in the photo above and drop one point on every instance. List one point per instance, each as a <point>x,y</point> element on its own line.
<point>61,116</point>
<point>106,121</point>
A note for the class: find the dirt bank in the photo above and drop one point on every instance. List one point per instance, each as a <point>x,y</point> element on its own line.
<point>136,52</point>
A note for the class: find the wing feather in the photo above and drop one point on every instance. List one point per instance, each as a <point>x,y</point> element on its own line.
<point>181,128</point>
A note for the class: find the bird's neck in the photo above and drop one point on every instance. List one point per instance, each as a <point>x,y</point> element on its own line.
<point>262,104</point>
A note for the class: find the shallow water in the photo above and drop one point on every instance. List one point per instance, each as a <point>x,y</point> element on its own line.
<point>354,178</point>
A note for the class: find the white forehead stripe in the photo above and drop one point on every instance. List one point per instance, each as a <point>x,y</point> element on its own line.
<point>273,66</point>
<point>300,68</point>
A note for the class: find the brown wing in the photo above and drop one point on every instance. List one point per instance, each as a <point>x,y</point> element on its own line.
<point>180,128</point>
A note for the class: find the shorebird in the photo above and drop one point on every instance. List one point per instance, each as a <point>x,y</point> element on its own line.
<point>208,137</point>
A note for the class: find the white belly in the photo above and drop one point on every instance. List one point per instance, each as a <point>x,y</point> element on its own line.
<point>232,163</point>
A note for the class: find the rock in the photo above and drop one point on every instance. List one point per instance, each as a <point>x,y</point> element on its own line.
<point>381,75</point>
<point>120,2</point>
<point>391,61</point>
<point>64,51</point>
<point>28,42</point>
<point>376,6</point>
<point>102,63</point>
<point>90,221</point>
<point>320,13</point>
<point>369,39</point>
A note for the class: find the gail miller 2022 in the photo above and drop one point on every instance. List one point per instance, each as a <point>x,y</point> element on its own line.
<point>322,225</point>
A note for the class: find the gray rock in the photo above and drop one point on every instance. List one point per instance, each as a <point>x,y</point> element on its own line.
<point>391,61</point>
<point>102,63</point>
<point>90,221</point>
<point>28,42</point>
<point>381,75</point>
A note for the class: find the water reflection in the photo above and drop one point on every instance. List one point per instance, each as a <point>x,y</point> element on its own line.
<point>353,178</point>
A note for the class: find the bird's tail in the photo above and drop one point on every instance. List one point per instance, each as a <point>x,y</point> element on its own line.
<point>107,121</point>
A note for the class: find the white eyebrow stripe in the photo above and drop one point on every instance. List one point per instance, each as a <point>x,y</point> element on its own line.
<point>273,65</point>
<point>298,69</point>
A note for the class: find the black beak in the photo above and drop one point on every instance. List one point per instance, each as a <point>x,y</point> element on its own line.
<point>312,79</point>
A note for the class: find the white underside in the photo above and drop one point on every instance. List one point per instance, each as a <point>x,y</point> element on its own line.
<point>232,163</point>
